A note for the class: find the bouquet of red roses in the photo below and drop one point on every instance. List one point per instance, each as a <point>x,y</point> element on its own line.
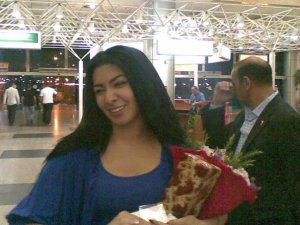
<point>225,188</point>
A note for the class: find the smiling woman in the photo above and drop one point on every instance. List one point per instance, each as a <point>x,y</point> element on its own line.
<point>118,158</point>
<point>114,95</point>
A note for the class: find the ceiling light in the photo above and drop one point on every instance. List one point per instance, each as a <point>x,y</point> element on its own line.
<point>211,32</point>
<point>54,40</point>
<point>56,26</point>
<point>125,29</point>
<point>239,35</point>
<point>193,23</point>
<point>16,11</point>
<point>91,27</point>
<point>59,13</point>
<point>90,5</point>
<point>239,22</point>
<point>205,19</point>
<point>139,17</point>
<point>21,24</point>
<point>294,37</point>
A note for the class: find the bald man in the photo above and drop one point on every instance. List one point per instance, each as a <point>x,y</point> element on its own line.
<point>268,124</point>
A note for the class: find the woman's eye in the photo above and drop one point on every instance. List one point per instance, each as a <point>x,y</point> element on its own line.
<point>98,91</point>
<point>120,83</point>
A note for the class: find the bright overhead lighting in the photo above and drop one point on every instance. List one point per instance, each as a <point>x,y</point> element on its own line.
<point>139,17</point>
<point>125,29</point>
<point>91,27</point>
<point>16,11</point>
<point>56,26</point>
<point>21,24</point>
<point>239,22</point>
<point>90,5</point>
<point>240,35</point>
<point>205,19</point>
<point>54,39</point>
<point>294,37</point>
<point>193,23</point>
<point>210,32</point>
<point>59,13</point>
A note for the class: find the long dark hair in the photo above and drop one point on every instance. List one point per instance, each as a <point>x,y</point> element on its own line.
<point>154,104</point>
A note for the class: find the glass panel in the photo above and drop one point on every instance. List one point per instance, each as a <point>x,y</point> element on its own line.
<point>183,87</point>
<point>15,58</point>
<point>46,58</point>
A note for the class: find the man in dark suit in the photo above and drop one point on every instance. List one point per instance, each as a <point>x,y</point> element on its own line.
<point>267,124</point>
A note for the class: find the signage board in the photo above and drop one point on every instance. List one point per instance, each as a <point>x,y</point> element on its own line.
<point>20,39</point>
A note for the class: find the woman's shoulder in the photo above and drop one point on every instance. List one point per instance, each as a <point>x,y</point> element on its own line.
<point>72,158</point>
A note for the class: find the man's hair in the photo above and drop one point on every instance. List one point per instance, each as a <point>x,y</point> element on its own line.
<point>11,83</point>
<point>154,104</point>
<point>257,69</point>
<point>195,87</point>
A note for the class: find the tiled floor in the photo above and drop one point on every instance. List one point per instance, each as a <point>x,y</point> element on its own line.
<point>23,150</point>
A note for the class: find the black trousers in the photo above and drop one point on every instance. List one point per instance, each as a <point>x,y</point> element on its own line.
<point>11,114</point>
<point>47,112</point>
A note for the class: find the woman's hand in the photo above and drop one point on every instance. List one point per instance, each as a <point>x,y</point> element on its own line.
<point>191,220</point>
<point>126,218</point>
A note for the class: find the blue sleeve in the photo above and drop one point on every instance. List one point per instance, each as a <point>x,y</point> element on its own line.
<point>202,97</point>
<point>42,204</point>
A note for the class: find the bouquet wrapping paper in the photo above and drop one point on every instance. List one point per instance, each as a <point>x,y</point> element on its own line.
<point>190,186</point>
<point>227,189</point>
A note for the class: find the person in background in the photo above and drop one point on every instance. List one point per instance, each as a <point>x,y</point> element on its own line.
<point>196,97</point>
<point>47,100</point>
<point>11,99</point>
<point>29,101</point>
<point>118,158</point>
<point>267,124</point>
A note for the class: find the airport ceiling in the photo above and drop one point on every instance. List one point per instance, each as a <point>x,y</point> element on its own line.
<point>243,25</point>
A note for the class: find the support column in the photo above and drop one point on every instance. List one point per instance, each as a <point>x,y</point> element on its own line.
<point>164,64</point>
<point>272,62</point>
<point>27,65</point>
<point>66,56</point>
<point>196,75</point>
<point>291,61</point>
<point>80,93</point>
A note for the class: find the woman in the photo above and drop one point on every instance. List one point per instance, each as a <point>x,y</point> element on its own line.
<point>98,173</point>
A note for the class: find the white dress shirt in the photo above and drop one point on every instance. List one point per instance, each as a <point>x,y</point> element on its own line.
<point>11,96</point>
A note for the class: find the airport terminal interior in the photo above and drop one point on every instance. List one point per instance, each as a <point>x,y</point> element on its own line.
<point>69,32</point>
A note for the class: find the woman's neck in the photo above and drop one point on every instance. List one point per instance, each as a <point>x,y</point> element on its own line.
<point>136,133</point>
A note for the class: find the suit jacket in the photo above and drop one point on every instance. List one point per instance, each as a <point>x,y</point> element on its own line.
<point>277,134</point>
<point>11,96</point>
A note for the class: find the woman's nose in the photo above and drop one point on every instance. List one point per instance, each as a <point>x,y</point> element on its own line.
<point>110,95</point>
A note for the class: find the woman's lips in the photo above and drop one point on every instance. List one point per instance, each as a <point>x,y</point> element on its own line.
<point>116,109</point>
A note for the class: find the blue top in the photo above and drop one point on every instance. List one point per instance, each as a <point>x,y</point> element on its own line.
<point>66,191</point>
<point>197,97</point>
<point>127,193</point>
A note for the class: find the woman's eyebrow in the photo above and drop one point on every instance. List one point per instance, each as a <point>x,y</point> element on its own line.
<point>111,81</point>
<point>116,77</point>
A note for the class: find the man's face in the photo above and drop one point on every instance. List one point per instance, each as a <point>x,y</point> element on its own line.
<point>194,90</point>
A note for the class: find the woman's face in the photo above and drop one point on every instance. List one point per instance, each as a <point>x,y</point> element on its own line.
<point>114,95</point>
